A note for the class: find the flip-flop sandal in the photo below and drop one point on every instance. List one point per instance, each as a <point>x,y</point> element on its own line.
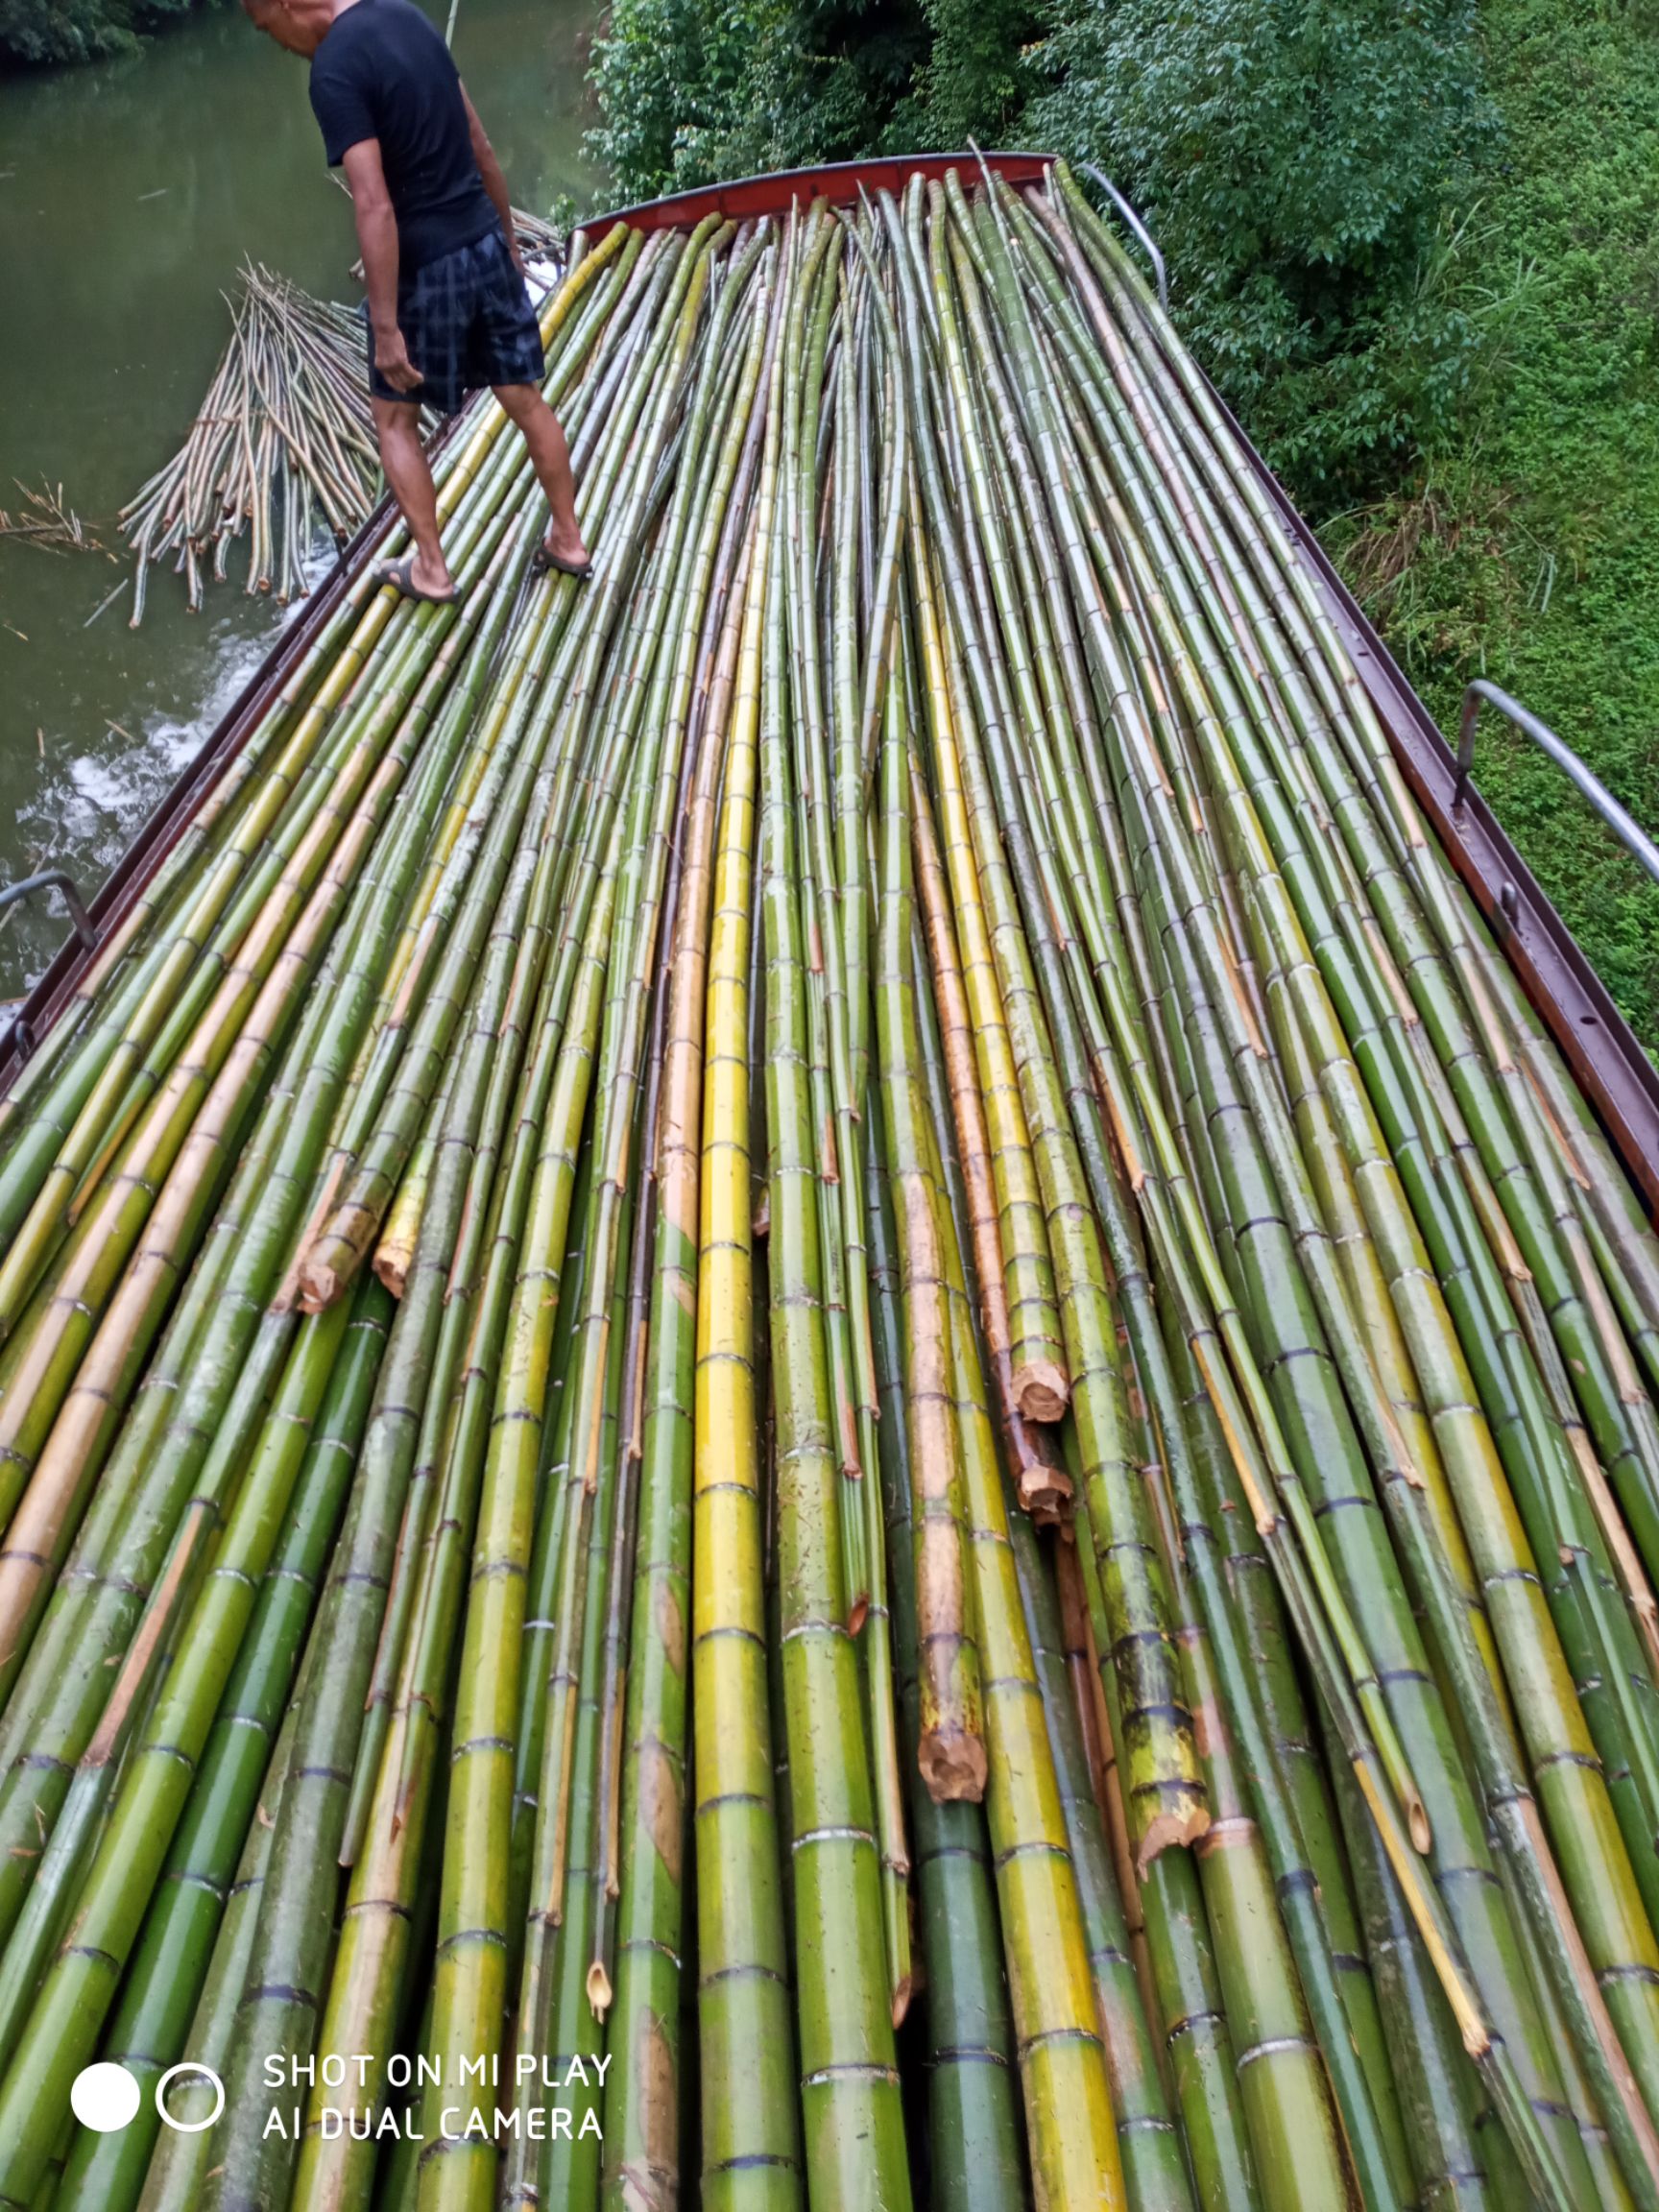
<point>400,575</point>
<point>545,563</point>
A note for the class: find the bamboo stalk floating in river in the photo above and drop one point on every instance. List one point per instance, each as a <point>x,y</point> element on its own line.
<point>812,1342</point>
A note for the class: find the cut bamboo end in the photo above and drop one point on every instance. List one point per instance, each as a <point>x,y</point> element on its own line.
<point>393,1263</point>
<point>1046,1494</point>
<point>953,1765</point>
<point>599,1991</point>
<point>1167,1831</point>
<point>1042,1390</point>
<point>319,1287</point>
<point>1041,1482</point>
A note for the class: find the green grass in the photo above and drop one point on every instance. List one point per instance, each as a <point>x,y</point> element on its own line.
<point>1527,547</point>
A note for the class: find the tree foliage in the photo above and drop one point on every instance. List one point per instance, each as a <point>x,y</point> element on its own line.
<point>695,89</point>
<point>38,30</point>
<point>977,77</point>
<point>1294,158</point>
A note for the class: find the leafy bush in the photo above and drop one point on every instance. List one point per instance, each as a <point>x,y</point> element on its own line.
<point>695,89</point>
<point>977,76</point>
<point>37,31</point>
<point>1293,157</point>
<point>673,83</point>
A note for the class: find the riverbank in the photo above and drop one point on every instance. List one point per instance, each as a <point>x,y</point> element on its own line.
<point>1526,548</point>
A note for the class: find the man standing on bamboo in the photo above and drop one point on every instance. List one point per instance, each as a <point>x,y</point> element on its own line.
<point>448,305</point>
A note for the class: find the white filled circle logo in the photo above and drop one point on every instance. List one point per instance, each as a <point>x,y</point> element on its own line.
<point>105,2098</point>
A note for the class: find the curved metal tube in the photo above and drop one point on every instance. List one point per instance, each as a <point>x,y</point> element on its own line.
<point>50,880</point>
<point>19,1037</point>
<point>1136,224</point>
<point>1629,832</point>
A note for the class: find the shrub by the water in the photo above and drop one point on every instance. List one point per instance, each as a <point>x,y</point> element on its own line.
<point>38,30</point>
<point>695,89</point>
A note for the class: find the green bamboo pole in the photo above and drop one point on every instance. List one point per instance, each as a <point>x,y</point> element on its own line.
<point>852,2125</point>
<point>643,2101</point>
<point>952,1750</point>
<point>751,2141</point>
<point>975,2146</point>
<point>570,2029</point>
<point>173,2174</point>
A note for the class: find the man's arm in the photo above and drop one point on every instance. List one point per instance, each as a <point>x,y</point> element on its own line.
<point>494,184</point>
<point>377,236</point>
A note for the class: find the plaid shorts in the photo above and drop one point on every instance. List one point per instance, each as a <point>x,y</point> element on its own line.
<point>466,321</point>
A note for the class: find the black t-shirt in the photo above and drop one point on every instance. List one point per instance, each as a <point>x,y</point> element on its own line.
<point>383,72</point>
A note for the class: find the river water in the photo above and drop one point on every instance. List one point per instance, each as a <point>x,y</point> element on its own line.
<point>130,192</point>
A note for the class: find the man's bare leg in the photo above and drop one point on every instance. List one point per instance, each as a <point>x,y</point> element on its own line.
<point>550,458</point>
<point>397,428</point>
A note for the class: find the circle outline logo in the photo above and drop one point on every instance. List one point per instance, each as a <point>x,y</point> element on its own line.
<point>207,2074</point>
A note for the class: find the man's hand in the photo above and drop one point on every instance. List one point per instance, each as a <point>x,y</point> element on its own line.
<point>391,359</point>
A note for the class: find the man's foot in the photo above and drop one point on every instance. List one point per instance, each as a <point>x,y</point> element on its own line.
<point>563,556</point>
<point>405,577</point>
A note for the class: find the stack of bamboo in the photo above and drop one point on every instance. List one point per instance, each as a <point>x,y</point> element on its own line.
<point>811,1387</point>
<point>282,440</point>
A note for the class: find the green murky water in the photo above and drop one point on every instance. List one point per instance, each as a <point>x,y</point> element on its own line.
<point>128,194</point>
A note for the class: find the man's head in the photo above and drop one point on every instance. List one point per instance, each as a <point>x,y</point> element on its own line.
<point>299,25</point>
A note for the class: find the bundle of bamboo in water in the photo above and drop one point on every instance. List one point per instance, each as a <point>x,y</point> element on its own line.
<point>282,444</point>
<point>810,1385</point>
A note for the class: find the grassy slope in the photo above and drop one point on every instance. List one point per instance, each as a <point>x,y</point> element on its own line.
<point>1528,550</point>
